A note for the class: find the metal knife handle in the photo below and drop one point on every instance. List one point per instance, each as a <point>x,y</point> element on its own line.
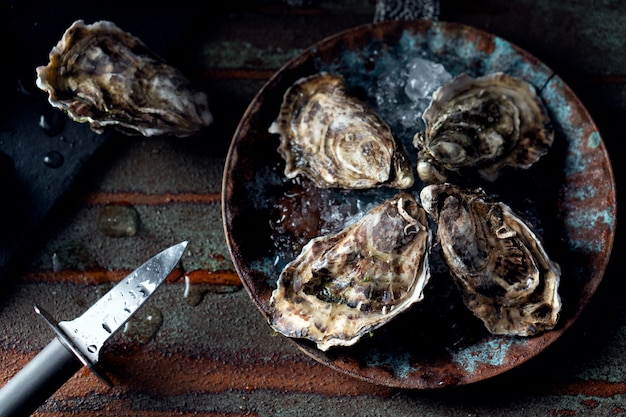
<point>38,380</point>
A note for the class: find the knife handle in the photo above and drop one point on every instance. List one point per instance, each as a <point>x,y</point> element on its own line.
<point>38,380</point>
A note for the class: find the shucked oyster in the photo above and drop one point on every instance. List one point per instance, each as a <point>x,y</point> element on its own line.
<point>104,76</point>
<point>479,126</point>
<point>496,259</point>
<point>336,140</point>
<point>342,286</point>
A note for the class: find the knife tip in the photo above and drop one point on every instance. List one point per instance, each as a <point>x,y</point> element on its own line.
<point>180,247</point>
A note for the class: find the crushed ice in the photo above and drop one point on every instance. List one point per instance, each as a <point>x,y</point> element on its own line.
<point>402,94</point>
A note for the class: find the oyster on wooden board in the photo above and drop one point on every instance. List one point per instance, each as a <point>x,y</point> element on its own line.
<point>104,76</point>
<point>344,285</point>
<point>479,126</point>
<point>336,140</point>
<point>496,259</point>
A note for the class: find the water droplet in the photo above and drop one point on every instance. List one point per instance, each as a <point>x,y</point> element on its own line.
<point>193,293</point>
<point>118,220</point>
<point>74,256</point>
<point>92,348</point>
<point>53,159</point>
<point>110,323</point>
<point>56,263</point>
<point>52,121</point>
<point>144,324</point>
<point>146,287</point>
<point>25,88</point>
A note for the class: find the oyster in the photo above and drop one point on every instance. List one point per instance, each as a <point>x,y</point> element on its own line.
<point>479,126</point>
<point>496,259</point>
<point>104,76</point>
<point>337,140</point>
<point>344,285</point>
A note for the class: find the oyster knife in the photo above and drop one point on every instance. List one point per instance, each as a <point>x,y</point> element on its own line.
<point>79,341</point>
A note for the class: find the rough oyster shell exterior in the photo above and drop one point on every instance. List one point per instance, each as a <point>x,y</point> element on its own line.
<point>337,140</point>
<point>496,259</point>
<point>104,76</point>
<point>345,285</point>
<point>479,126</point>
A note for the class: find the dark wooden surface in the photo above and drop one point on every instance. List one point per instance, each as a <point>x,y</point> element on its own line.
<point>207,351</point>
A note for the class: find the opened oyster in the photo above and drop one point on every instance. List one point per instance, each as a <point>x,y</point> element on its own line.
<point>336,140</point>
<point>480,126</point>
<point>497,260</point>
<point>104,76</point>
<point>343,286</point>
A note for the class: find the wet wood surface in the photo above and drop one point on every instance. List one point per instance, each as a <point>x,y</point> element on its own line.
<point>200,347</point>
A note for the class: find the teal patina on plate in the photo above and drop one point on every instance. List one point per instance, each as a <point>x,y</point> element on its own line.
<point>569,196</point>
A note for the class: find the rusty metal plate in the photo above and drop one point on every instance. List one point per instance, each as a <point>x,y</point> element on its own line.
<point>570,195</point>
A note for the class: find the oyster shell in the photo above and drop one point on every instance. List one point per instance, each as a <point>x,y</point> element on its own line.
<point>496,259</point>
<point>479,126</point>
<point>344,285</point>
<point>104,76</point>
<point>336,140</point>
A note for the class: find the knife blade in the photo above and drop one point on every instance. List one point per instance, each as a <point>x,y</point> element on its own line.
<point>78,342</point>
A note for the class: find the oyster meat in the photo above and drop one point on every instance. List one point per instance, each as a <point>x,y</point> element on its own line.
<point>104,76</point>
<point>344,285</point>
<point>496,259</point>
<point>478,126</point>
<point>336,140</point>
